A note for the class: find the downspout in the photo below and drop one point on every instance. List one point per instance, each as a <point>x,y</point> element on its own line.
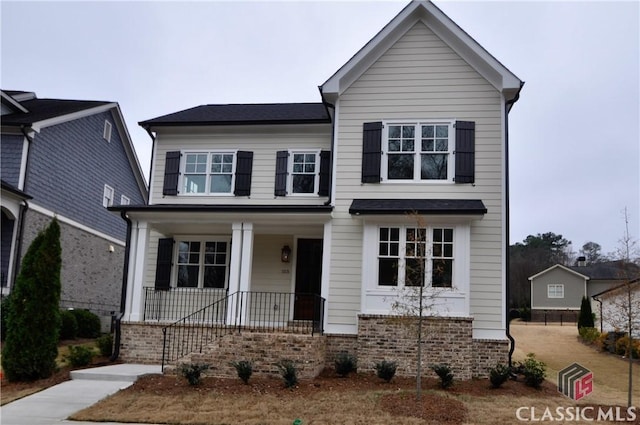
<point>507,108</point>
<point>153,150</point>
<point>328,105</point>
<point>123,293</point>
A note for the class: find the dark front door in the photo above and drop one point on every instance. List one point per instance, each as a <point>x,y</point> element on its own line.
<point>308,279</point>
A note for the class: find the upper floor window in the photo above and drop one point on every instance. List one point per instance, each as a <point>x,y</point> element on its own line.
<point>106,132</point>
<point>417,151</point>
<point>107,196</point>
<point>408,257</point>
<point>555,291</point>
<point>208,173</point>
<point>302,173</point>
<point>424,151</point>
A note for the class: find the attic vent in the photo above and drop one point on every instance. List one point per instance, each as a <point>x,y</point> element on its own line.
<point>106,133</point>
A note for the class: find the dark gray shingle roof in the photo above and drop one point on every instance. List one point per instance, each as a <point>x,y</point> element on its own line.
<point>43,109</point>
<point>420,206</point>
<point>254,113</point>
<point>610,270</point>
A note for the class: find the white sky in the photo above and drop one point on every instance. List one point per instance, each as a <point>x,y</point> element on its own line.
<point>574,133</point>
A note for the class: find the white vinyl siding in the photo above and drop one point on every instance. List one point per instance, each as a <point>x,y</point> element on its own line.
<point>420,78</point>
<point>263,141</point>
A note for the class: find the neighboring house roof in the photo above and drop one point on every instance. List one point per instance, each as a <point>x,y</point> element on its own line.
<point>426,12</point>
<point>635,285</point>
<point>245,114</point>
<point>420,206</point>
<point>14,190</point>
<point>610,270</point>
<point>36,114</point>
<point>559,266</point>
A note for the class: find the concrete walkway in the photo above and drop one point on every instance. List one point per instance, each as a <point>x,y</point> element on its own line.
<point>87,386</point>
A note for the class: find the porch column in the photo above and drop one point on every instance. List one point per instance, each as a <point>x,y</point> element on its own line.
<point>134,310</point>
<point>245,270</point>
<point>326,271</point>
<point>234,270</point>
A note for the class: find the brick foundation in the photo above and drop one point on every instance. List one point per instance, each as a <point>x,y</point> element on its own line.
<point>446,340</point>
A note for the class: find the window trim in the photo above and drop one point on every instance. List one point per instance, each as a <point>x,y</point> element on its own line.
<point>316,174</point>
<point>107,201</point>
<point>107,130</point>
<point>203,240</point>
<point>552,290</point>
<point>125,200</point>
<point>182,176</point>
<point>417,151</point>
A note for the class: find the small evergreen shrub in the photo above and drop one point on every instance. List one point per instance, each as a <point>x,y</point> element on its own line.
<point>192,372</point>
<point>244,368</point>
<point>534,371</point>
<point>289,372</point>
<point>4,313</point>
<point>68,325</point>
<point>445,374</point>
<point>79,355</point>
<point>386,370</point>
<point>622,347</point>
<point>499,375</point>
<point>88,323</point>
<point>589,335</point>
<point>105,345</point>
<point>585,318</point>
<point>525,314</point>
<point>345,363</point>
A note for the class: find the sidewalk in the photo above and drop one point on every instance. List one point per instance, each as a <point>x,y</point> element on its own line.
<point>87,386</point>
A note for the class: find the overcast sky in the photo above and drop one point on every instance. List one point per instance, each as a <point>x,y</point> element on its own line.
<point>574,133</point>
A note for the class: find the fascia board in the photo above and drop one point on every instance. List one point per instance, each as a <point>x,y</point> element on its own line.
<point>38,126</point>
<point>6,99</point>
<point>535,276</point>
<point>130,151</point>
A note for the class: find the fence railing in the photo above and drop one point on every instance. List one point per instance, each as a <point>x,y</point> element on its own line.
<point>240,312</point>
<point>174,304</point>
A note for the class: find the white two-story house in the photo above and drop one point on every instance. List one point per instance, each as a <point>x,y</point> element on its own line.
<point>305,223</point>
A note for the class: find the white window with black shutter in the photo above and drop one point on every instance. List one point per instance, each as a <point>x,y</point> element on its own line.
<point>210,173</point>
<point>428,151</point>
<point>302,173</point>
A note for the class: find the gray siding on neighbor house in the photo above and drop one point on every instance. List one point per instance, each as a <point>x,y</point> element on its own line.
<point>597,286</point>
<point>11,157</point>
<point>574,290</point>
<point>69,165</point>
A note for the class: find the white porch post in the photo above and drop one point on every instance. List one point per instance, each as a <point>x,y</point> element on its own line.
<point>245,270</point>
<point>326,272</point>
<point>234,269</point>
<point>134,310</point>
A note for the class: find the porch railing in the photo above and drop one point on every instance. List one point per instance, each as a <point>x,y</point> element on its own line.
<point>241,312</point>
<point>174,304</point>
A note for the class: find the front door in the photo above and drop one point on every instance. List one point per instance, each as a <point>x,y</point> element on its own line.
<point>308,279</point>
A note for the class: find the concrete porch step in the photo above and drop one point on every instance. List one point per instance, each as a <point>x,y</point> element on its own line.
<point>117,372</point>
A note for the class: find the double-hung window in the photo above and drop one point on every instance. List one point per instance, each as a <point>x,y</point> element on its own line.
<point>418,151</point>
<point>555,291</point>
<point>208,172</point>
<point>304,172</point>
<point>202,264</point>
<point>414,256</point>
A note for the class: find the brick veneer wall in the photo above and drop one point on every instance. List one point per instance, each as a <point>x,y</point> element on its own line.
<point>446,340</point>
<point>337,344</point>
<point>141,342</point>
<point>487,353</point>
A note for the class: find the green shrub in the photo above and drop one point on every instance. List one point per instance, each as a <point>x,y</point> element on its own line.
<point>68,325</point>
<point>499,375</point>
<point>79,355</point>
<point>585,318</point>
<point>193,372</point>
<point>4,313</point>
<point>589,335</point>
<point>88,323</point>
<point>445,374</point>
<point>289,372</point>
<point>33,318</point>
<point>105,345</point>
<point>244,368</point>
<point>534,371</point>
<point>386,370</point>
<point>345,363</point>
<point>525,314</point>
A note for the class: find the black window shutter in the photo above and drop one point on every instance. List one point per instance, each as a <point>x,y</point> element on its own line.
<point>282,157</point>
<point>163,264</point>
<point>371,152</point>
<point>465,152</point>
<point>244,164</point>
<point>171,173</point>
<point>325,173</point>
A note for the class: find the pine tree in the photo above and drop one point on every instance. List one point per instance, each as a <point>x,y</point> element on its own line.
<point>33,322</point>
<point>585,319</point>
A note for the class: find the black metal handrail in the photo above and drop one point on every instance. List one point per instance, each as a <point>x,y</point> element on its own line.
<point>242,311</point>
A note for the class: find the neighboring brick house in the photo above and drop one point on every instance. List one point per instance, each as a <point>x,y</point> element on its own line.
<point>298,216</point>
<point>69,159</point>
